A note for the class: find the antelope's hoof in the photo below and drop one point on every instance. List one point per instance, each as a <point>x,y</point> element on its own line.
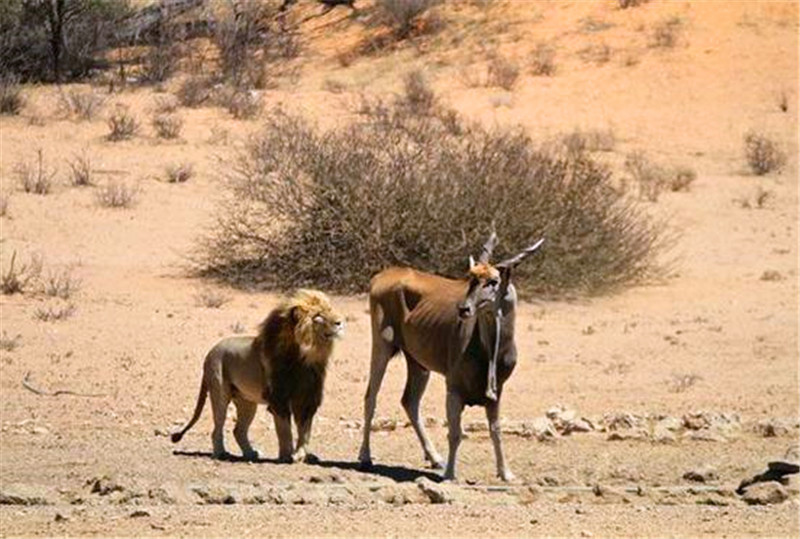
<point>507,476</point>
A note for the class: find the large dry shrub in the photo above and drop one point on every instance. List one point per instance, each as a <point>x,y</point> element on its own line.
<point>330,209</point>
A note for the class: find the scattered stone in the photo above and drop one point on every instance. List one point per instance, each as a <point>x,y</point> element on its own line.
<point>435,492</point>
<point>703,474</point>
<point>669,423</point>
<point>586,533</point>
<point>214,495</point>
<point>663,435</point>
<point>530,495</point>
<point>60,518</point>
<point>706,435</point>
<point>39,430</point>
<point>384,424</point>
<point>621,421</point>
<point>352,424</point>
<point>628,434</point>
<point>771,275</point>
<point>540,428</point>
<point>475,426</point>
<point>768,493</point>
<point>139,513</point>
<point>770,428</point>
<point>610,495</point>
<point>104,485</point>
<point>707,420</point>
<point>22,494</point>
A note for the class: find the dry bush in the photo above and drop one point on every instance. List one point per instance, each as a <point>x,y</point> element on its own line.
<point>666,33</point>
<point>5,198</point>
<point>55,313</point>
<point>61,283</point>
<point>11,99</point>
<point>117,194</point>
<point>179,173</point>
<point>404,14</point>
<point>9,344</point>
<point>211,299</point>
<point>762,153</point>
<point>243,104</point>
<point>648,176</point>
<point>82,104</point>
<point>35,178</point>
<point>17,279</point>
<point>195,91</point>
<point>167,126</point>
<point>417,97</point>
<point>681,178</point>
<point>624,4</point>
<point>593,140</point>
<point>543,60</point>
<point>162,59</point>
<point>165,104</point>
<point>81,170</point>
<point>330,209</point>
<point>502,72</point>
<point>122,125</point>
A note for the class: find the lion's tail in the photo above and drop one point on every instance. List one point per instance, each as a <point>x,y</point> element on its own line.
<point>198,409</point>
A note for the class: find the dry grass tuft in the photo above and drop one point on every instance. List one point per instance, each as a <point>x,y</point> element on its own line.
<point>81,104</point>
<point>404,15</point>
<point>122,125</point>
<point>11,98</point>
<point>9,344</point>
<point>763,154</point>
<point>61,284</point>
<point>81,170</point>
<point>211,299</point>
<point>117,194</point>
<point>179,172</point>
<point>167,126</point>
<point>666,34</point>
<point>502,72</point>
<point>55,312</point>
<point>35,178</point>
<point>17,279</point>
<point>543,60</point>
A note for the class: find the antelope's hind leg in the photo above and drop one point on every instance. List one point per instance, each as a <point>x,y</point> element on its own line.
<point>416,383</point>
<point>455,406</point>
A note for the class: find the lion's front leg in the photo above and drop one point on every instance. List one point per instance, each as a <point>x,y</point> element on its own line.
<point>283,428</point>
<point>301,453</point>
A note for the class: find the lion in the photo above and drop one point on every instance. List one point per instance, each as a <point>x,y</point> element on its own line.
<point>283,367</point>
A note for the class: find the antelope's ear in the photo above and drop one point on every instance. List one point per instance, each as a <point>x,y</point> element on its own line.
<point>471,262</point>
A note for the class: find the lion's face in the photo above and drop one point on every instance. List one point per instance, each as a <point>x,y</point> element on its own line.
<point>317,323</point>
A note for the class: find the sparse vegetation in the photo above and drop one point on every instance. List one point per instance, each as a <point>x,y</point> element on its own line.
<point>81,170</point>
<point>763,154</point>
<point>680,383</point>
<point>16,279</point>
<point>179,173</point>
<point>167,126</point>
<point>61,283</point>
<point>54,312</point>
<point>35,178</point>
<point>165,104</point>
<point>9,344</point>
<point>81,104</point>
<point>331,209</point>
<point>592,140</point>
<point>681,178</point>
<point>624,4</point>
<point>543,60</point>
<point>599,53</point>
<point>211,299</point>
<point>11,99</point>
<point>195,91</point>
<point>648,176</point>
<point>241,103</point>
<point>417,97</point>
<point>122,125</point>
<point>5,199</point>
<point>117,194</point>
<point>219,136</point>
<point>502,72</point>
<point>404,14</point>
<point>666,33</point>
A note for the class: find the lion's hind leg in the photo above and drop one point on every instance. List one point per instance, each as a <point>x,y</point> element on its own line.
<point>220,399</point>
<point>245,412</point>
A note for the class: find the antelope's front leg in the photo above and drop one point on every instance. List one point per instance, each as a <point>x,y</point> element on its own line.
<point>454,405</point>
<point>493,417</point>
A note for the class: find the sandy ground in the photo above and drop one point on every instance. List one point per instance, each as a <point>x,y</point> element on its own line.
<point>725,322</point>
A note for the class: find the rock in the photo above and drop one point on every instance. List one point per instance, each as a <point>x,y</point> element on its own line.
<point>705,420</point>
<point>39,430</point>
<point>628,434</point>
<point>214,495</point>
<point>621,421</point>
<point>60,518</point>
<point>531,494</point>
<point>767,493</point>
<point>540,428</point>
<point>703,474</point>
<point>23,494</point>
<point>435,492</point>
<point>664,435</point>
<point>475,426</point>
<point>610,495</point>
<point>139,513</point>
<point>705,435</point>
<point>384,424</point>
<point>770,428</point>
<point>104,485</point>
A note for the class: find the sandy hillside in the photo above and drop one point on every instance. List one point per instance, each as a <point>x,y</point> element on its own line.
<point>698,372</point>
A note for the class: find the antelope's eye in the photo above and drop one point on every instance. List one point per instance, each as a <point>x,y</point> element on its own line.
<point>492,282</point>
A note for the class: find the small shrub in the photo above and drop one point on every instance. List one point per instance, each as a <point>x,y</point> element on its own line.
<point>597,54</point>
<point>9,344</point>
<point>82,104</point>
<point>679,383</point>
<point>179,173</point>
<point>762,196</point>
<point>242,104</point>
<point>593,140</point>
<point>81,170</point>
<point>117,194</point>
<point>122,125</point>
<point>36,178</point>
<point>543,60</point>
<point>681,178</point>
<point>11,99</point>
<point>666,33</point>
<point>418,97</point>
<point>219,136</point>
<point>17,278</point>
<point>165,104</point>
<point>211,299</point>
<point>650,177</point>
<point>763,154</point>
<point>502,72</point>
<point>161,61</point>
<point>167,126</point>
<point>624,4</point>
<point>61,284</point>
<point>195,91</point>
<point>403,14</point>
<point>54,313</point>
<point>771,275</point>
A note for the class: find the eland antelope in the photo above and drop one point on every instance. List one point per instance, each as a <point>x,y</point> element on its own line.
<point>462,329</point>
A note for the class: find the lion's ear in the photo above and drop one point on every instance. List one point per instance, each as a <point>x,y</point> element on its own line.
<point>296,314</point>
